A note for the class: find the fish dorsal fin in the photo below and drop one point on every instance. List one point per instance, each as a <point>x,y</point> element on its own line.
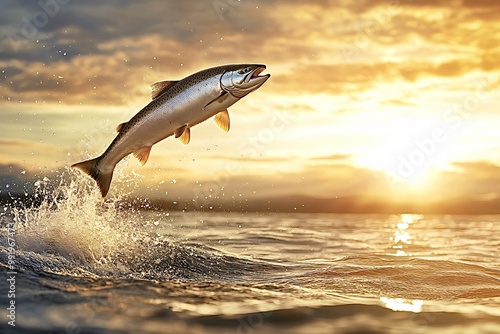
<point>183,134</point>
<point>219,99</point>
<point>119,128</point>
<point>142,154</point>
<point>161,87</point>
<point>222,120</point>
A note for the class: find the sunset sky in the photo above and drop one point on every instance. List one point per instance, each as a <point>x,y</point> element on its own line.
<point>379,98</point>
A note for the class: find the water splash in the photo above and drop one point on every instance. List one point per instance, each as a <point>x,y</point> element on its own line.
<point>73,231</point>
<point>70,219</point>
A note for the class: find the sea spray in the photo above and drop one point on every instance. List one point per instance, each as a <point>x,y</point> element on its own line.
<point>71,220</point>
<point>70,230</point>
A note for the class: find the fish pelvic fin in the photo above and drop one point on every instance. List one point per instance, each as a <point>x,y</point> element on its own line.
<point>222,120</point>
<point>103,180</point>
<point>183,134</point>
<point>142,154</point>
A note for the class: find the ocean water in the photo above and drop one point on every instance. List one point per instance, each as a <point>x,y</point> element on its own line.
<point>77,264</point>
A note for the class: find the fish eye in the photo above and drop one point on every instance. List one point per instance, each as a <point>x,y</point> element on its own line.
<point>244,70</point>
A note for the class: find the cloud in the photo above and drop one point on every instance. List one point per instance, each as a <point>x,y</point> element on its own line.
<point>12,143</point>
<point>334,157</point>
<point>480,3</point>
<point>324,180</point>
<point>330,178</point>
<point>101,53</point>
<point>32,155</point>
<point>473,179</point>
<point>80,27</point>
<point>327,178</point>
<point>359,77</point>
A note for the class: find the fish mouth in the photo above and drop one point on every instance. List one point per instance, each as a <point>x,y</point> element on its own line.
<point>254,74</point>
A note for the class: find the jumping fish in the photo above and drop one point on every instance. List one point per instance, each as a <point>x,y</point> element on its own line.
<point>175,108</point>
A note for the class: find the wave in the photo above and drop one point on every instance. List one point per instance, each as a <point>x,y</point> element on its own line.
<point>73,231</point>
<point>74,249</point>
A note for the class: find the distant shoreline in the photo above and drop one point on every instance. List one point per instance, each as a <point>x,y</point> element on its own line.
<point>293,204</point>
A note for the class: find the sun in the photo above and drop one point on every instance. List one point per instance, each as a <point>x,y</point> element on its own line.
<point>417,181</point>
<point>402,176</point>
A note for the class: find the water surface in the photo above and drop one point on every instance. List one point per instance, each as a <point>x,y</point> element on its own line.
<point>87,266</point>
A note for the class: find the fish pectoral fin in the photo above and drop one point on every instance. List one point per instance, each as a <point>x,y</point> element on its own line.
<point>183,134</point>
<point>185,137</point>
<point>142,154</point>
<point>180,131</point>
<point>158,88</point>
<point>119,128</point>
<point>222,120</point>
<point>219,99</point>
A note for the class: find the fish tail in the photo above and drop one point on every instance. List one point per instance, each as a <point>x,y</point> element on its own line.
<point>103,180</point>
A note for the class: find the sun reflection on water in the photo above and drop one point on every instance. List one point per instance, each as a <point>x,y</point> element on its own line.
<point>401,304</point>
<point>402,238</point>
<point>401,241</point>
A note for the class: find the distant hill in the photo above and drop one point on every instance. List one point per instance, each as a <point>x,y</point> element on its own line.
<point>350,204</point>
<point>306,204</point>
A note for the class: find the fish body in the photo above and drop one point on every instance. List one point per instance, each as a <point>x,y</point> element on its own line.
<point>176,107</point>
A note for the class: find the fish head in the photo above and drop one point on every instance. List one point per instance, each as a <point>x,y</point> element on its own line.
<point>244,79</point>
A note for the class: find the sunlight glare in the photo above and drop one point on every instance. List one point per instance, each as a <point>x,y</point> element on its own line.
<point>401,304</point>
<point>402,237</point>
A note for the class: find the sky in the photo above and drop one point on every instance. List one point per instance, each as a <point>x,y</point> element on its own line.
<point>397,99</point>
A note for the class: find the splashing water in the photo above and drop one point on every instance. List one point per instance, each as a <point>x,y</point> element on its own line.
<point>73,231</point>
<point>73,221</point>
